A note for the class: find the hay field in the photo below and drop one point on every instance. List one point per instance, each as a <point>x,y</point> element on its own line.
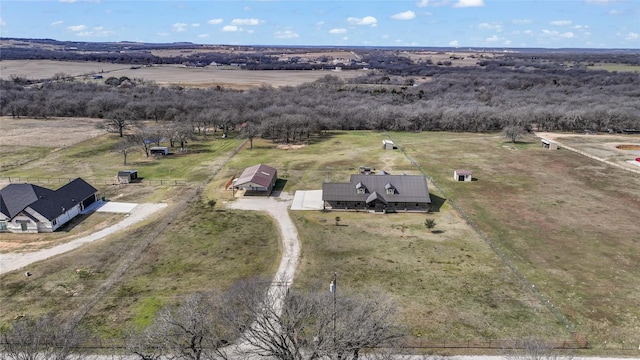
<point>209,76</point>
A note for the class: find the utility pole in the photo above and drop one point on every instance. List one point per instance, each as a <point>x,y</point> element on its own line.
<point>334,291</point>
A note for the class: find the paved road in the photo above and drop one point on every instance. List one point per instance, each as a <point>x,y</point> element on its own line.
<point>14,261</point>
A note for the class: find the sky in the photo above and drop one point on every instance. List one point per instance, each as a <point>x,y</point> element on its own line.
<point>417,23</point>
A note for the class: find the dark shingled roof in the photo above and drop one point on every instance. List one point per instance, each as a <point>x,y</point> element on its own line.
<point>408,188</point>
<point>48,203</point>
<point>16,197</point>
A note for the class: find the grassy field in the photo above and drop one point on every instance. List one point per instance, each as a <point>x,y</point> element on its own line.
<point>615,67</point>
<point>209,76</point>
<point>568,223</point>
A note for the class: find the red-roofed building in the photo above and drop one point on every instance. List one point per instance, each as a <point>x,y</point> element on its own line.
<point>257,180</point>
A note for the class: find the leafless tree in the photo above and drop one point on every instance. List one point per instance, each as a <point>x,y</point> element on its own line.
<point>190,330</point>
<point>46,338</point>
<point>534,349</point>
<point>513,132</point>
<point>298,325</point>
<point>124,147</point>
<point>117,121</point>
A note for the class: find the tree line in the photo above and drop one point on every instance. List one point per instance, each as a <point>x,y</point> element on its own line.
<point>251,319</point>
<point>459,99</point>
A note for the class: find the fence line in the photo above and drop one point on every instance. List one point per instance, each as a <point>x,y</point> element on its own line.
<point>597,158</point>
<point>503,257</point>
<point>54,181</point>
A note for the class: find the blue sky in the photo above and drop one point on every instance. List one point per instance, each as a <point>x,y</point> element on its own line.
<point>459,23</point>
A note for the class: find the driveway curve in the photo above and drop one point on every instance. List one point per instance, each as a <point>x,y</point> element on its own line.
<point>277,207</point>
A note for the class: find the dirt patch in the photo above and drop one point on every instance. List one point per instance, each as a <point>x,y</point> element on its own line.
<point>55,133</point>
<point>628,147</point>
<point>291,147</point>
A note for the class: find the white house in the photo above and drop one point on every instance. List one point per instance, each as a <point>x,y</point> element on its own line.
<point>31,208</point>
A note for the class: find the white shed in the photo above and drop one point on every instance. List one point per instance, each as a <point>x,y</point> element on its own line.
<point>462,175</point>
<point>388,145</point>
<point>550,145</point>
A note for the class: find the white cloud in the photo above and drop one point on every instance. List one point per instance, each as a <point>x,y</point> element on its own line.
<point>557,34</point>
<point>215,21</point>
<point>287,34</point>
<point>600,2</point>
<point>231,28</point>
<point>179,27</point>
<point>468,3</point>
<point>407,15</point>
<point>367,20</point>
<point>522,21</point>
<point>490,26</point>
<point>320,23</point>
<point>55,23</point>
<point>615,12</point>
<point>493,38</point>
<point>68,1</point>
<point>76,28</point>
<point>338,31</point>
<point>195,25</point>
<point>422,3</point>
<point>2,23</point>
<point>632,36</point>
<point>249,22</point>
<point>560,22</point>
<point>454,43</point>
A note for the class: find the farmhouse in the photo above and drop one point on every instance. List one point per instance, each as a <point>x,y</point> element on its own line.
<point>379,193</point>
<point>31,208</point>
<point>257,180</point>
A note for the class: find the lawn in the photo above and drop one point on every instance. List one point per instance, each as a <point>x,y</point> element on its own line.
<point>565,222</point>
<point>569,223</point>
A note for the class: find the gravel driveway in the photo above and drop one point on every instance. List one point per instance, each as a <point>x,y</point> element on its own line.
<point>277,208</point>
<point>14,261</point>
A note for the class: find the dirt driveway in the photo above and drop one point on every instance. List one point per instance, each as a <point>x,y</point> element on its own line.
<point>277,208</point>
<point>14,261</point>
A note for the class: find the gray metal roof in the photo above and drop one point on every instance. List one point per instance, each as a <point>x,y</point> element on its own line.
<point>408,188</point>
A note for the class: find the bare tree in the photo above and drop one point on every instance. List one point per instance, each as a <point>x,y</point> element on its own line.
<point>534,349</point>
<point>117,121</point>
<point>294,324</point>
<point>190,330</point>
<point>124,147</point>
<point>46,338</point>
<point>513,132</point>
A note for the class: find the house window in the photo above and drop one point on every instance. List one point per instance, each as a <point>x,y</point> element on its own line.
<point>54,222</point>
<point>3,226</point>
<point>23,226</point>
<point>360,189</point>
<point>391,191</point>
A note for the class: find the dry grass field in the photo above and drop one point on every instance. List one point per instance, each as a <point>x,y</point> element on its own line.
<point>209,76</point>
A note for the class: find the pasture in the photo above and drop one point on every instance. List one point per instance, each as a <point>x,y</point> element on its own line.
<point>565,222</point>
<point>209,76</point>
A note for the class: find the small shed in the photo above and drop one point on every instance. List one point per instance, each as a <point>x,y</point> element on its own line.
<point>388,145</point>
<point>550,145</point>
<point>462,175</point>
<point>159,150</point>
<point>127,176</point>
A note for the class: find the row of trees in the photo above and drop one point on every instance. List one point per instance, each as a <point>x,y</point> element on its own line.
<point>249,320</point>
<point>456,101</point>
